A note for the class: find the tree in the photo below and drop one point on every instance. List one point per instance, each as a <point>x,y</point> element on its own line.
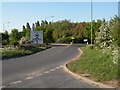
<point>115,29</point>
<point>28,29</point>
<point>28,35</point>
<point>42,23</point>
<point>104,36</point>
<point>95,28</point>
<point>23,31</point>
<point>46,23</point>
<point>79,29</point>
<point>87,32</point>
<point>14,36</point>
<point>33,26</point>
<point>5,38</point>
<point>28,26</point>
<point>37,24</point>
<point>48,36</point>
<point>63,29</point>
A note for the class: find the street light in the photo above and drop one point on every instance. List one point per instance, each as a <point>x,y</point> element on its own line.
<point>48,17</point>
<point>4,26</point>
<point>91,20</point>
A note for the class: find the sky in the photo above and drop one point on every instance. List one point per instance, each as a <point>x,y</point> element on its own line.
<point>59,0</point>
<point>19,13</point>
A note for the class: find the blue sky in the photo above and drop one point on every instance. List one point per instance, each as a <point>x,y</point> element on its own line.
<point>18,13</point>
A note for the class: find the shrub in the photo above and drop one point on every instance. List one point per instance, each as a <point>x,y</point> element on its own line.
<point>65,40</point>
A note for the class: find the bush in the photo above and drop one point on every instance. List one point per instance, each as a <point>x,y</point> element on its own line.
<point>78,40</point>
<point>69,40</point>
<point>21,51</point>
<point>33,48</point>
<point>65,40</point>
<point>4,42</point>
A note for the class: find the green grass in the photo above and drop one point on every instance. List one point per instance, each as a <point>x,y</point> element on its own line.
<point>96,63</point>
<point>8,53</point>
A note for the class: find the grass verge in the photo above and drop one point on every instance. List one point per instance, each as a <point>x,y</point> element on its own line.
<point>8,53</point>
<point>96,65</point>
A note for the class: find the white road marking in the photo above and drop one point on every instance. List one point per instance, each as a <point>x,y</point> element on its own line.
<point>29,78</point>
<point>38,75</point>
<point>52,70</point>
<point>59,67</point>
<point>46,72</point>
<point>2,86</point>
<point>15,82</point>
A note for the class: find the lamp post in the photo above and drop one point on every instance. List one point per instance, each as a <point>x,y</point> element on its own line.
<point>45,22</point>
<point>4,30</point>
<point>91,20</point>
<point>47,17</point>
<point>4,26</point>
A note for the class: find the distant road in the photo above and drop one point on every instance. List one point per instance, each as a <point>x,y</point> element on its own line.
<point>42,70</point>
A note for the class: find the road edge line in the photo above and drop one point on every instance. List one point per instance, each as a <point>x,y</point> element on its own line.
<point>89,81</point>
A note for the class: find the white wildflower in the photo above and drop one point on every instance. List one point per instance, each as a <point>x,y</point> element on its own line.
<point>115,56</point>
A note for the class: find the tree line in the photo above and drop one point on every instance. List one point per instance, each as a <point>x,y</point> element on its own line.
<point>61,32</point>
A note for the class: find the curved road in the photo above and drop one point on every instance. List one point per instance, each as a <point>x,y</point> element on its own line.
<point>41,70</point>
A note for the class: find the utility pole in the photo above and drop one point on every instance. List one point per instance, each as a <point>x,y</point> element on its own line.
<point>91,20</point>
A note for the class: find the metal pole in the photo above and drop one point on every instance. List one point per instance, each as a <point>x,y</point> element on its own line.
<point>46,18</point>
<point>4,26</point>
<point>49,17</point>
<point>91,20</point>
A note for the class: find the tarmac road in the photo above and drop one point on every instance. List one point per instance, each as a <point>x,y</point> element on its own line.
<point>42,70</point>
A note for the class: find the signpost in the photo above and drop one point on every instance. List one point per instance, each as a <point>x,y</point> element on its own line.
<point>36,37</point>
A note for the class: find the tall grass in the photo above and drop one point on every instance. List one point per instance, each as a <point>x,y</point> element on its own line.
<point>13,52</point>
<point>97,64</point>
